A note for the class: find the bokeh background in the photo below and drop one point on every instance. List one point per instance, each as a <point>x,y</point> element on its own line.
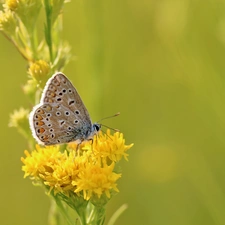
<point>161,63</point>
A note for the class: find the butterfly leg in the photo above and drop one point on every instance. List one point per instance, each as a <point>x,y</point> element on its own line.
<point>92,141</point>
<point>78,145</point>
<point>77,151</point>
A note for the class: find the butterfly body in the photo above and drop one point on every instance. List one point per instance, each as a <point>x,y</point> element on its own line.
<point>61,116</point>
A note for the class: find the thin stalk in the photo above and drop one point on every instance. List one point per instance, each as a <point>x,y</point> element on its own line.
<point>63,211</point>
<point>117,214</point>
<point>33,44</point>
<point>17,48</point>
<point>48,28</point>
<point>100,215</point>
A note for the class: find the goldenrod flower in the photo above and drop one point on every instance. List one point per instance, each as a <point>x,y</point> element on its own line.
<point>111,146</point>
<point>8,22</point>
<point>63,55</point>
<point>26,10</point>
<point>89,174</point>
<point>96,179</point>
<point>11,4</point>
<point>107,146</point>
<point>39,70</point>
<point>30,88</point>
<point>19,119</point>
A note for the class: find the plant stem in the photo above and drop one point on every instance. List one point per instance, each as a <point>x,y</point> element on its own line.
<point>99,215</point>
<point>116,214</point>
<point>63,211</point>
<point>48,28</point>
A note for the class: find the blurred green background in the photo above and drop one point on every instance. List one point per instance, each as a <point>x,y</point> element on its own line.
<point>161,63</point>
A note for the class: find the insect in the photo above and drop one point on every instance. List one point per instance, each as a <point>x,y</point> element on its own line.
<point>61,115</point>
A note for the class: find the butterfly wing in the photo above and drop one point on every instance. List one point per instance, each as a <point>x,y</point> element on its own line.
<point>54,124</point>
<point>61,116</point>
<point>60,90</point>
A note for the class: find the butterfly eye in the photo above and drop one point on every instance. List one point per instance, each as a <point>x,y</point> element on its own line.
<point>69,128</point>
<point>51,130</point>
<point>70,91</point>
<point>76,121</point>
<point>52,135</point>
<point>49,114</point>
<point>59,99</point>
<point>77,112</point>
<point>49,125</point>
<point>64,90</point>
<point>60,93</point>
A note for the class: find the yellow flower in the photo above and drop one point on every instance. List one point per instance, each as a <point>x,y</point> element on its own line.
<point>96,179</point>
<point>26,10</point>
<point>89,174</point>
<point>19,120</point>
<point>8,22</point>
<point>41,162</point>
<point>106,146</point>
<point>30,88</point>
<point>11,4</point>
<point>111,146</point>
<point>39,70</point>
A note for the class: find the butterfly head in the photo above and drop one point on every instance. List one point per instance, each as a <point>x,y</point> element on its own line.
<point>96,127</point>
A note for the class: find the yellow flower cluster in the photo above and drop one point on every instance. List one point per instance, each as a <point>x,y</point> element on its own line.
<point>39,70</point>
<point>89,172</point>
<point>19,119</point>
<point>8,22</point>
<point>11,5</point>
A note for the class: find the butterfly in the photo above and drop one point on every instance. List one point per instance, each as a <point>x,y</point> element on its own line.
<point>61,116</point>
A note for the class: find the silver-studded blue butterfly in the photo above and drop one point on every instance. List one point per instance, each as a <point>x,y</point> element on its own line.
<point>61,116</point>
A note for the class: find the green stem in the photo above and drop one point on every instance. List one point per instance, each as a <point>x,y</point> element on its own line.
<point>33,44</point>
<point>116,214</point>
<point>21,51</point>
<point>82,215</point>
<point>63,211</point>
<point>100,215</point>
<point>95,215</point>
<point>48,27</point>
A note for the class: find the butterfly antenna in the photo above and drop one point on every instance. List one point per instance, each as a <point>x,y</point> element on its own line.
<point>116,130</point>
<point>107,134</point>
<point>117,114</point>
